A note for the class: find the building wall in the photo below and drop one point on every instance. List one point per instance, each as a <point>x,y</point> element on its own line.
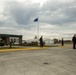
<point>20,40</point>
<point>16,38</point>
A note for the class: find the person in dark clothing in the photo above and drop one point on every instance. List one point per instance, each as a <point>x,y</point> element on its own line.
<point>11,43</point>
<point>74,41</point>
<point>41,41</point>
<point>62,42</point>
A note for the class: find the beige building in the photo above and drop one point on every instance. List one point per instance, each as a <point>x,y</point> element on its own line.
<point>6,39</point>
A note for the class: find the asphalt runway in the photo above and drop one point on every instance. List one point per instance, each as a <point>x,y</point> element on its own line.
<point>46,61</point>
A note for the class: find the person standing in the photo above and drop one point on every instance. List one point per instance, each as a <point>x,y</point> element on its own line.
<point>41,41</point>
<point>74,41</point>
<point>11,43</point>
<point>62,42</point>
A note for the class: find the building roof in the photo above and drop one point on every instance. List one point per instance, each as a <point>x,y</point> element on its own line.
<point>11,35</point>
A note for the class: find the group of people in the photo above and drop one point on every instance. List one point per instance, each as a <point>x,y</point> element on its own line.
<point>73,40</point>
<point>42,43</point>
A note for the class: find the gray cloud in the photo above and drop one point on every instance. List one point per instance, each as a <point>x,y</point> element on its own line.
<point>55,12</point>
<point>56,18</point>
<point>22,12</point>
<point>59,12</point>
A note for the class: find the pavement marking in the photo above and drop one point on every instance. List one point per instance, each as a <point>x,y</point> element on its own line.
<point>20,49</point>
<point>30,48</point>
<point>66,46</point>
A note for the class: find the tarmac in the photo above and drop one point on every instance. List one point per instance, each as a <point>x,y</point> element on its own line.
<point>38,61</point>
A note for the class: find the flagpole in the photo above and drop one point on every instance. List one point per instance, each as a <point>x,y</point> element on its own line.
<point>38,28</point>
<point>37,20</point>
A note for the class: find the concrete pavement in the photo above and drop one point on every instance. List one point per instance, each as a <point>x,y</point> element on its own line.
<point>49,61</point>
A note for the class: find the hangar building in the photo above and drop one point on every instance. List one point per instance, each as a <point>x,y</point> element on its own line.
<point>6,38</point>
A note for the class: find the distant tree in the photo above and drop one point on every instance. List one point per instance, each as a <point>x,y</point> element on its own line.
<point>55,40</point>
<point>35,37</point>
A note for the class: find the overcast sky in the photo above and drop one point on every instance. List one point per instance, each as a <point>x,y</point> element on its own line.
<point>57,18</point>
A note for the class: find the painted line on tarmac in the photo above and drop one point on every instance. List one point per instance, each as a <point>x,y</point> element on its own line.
<point>20,49</point>
<point>66,46</point>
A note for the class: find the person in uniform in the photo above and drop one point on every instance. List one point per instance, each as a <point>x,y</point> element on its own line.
<point>41,41</point>
<point>74,41</point>
<point>62,42</point>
